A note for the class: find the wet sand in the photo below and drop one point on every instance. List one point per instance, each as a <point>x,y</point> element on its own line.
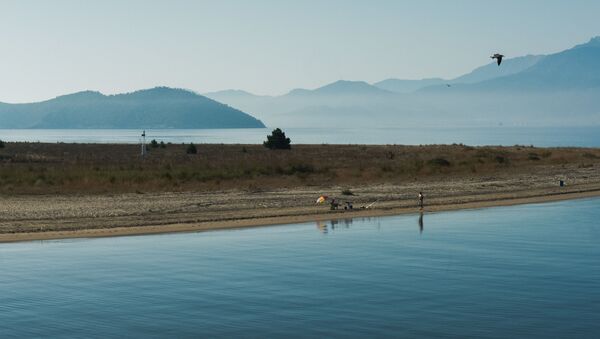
<point>40,217</point>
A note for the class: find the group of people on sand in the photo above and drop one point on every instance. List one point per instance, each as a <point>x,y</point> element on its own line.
<point>334,204</point>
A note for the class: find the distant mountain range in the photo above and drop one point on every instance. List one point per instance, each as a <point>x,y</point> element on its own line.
<point>574,69</point>
<point>159,107</point>
<point>535,90</point>
<point>483,73</point>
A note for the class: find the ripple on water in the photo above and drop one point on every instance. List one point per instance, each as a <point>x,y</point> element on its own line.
<point>500,272</point>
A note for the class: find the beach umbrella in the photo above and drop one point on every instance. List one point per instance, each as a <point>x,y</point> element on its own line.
<point>321,199</point>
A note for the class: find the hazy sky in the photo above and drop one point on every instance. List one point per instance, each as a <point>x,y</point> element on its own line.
<point>49,48</point>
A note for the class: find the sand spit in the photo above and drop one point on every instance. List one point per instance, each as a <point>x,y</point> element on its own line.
<point>39,217</point>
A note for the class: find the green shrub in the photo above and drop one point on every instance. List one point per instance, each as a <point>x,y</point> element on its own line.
<point>441,162</point>
<point>347,192</point>
<point>387,168</point>
<point>162,144</point>
<point>154,143</point>
<point>277,140</point>
<point>1,144</point>
<point>302,168</point>
<point>191,149</point>
<point>585,155</point>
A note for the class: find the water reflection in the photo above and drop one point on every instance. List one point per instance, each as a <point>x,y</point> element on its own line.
<point>336,224</point>
<point>275,280</point>
<point>325,226</point>
<point>346,223</point>
<point>322,227</point>
<point>329,226</point>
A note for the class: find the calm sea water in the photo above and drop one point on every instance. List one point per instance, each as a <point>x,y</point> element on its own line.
<point>522,271</point>
<point>538,136</point>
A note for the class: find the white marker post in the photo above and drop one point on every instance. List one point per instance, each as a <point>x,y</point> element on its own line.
<point>143,143</point>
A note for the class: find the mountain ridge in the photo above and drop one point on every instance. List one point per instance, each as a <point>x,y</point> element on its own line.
<point>482,73</point>
<point>341,87</point>
<point>571,69</point>
<point>555,89</point>
<point>158,107</point>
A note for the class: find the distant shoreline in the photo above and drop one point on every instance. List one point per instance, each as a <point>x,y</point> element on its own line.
<point>548,137</point>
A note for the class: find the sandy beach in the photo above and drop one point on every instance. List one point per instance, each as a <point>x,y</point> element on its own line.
<point>40,217</point>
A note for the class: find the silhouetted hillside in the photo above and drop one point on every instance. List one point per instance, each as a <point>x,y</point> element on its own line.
<point>160,107</point>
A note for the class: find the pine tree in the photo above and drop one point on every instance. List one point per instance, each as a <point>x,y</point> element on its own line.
<point>277,140</point>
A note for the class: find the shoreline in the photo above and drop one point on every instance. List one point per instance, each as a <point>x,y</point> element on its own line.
<point>483,201</point>
<point>56,191</point>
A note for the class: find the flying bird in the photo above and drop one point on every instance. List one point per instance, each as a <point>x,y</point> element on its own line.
<point>498,57</point>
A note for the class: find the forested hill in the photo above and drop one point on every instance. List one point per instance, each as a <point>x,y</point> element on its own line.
<point>159,107</point>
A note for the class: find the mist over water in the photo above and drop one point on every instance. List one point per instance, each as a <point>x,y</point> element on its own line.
<point>520,271</point>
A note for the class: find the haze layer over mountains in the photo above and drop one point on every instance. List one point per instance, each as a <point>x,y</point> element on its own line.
<point>561,89</point>
<point>535,90</point>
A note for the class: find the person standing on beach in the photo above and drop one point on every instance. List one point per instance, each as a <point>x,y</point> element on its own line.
<point>421,197</point>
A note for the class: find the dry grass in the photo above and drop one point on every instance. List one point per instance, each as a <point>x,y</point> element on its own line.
<point>101,168</point>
